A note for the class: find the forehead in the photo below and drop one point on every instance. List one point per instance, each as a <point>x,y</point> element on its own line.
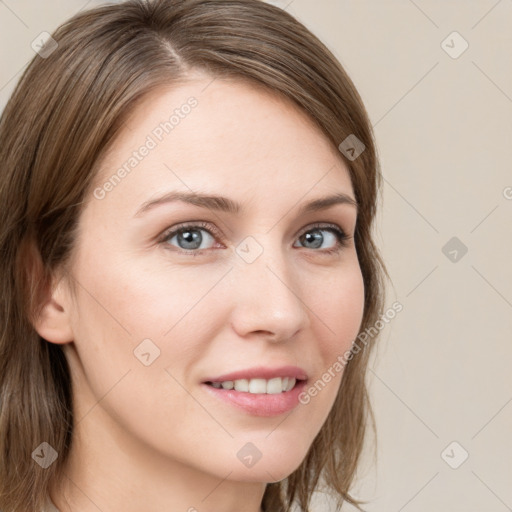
<point>221,135</point>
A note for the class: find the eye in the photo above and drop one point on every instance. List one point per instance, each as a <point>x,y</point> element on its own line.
<point>318,235</point>
<point>192,237</point>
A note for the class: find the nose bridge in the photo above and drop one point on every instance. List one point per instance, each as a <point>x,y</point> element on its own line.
<point>268,296</point>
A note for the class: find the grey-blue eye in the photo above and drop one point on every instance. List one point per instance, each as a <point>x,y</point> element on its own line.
<point>194,238</point>
<point>190,238</point>
<point>314,238</point>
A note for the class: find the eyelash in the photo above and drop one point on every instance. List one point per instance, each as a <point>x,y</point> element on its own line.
<point>342,237</point>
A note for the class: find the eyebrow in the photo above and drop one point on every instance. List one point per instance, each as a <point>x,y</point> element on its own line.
<point>224,204</point>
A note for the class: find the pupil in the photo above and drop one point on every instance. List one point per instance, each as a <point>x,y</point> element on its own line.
<point>314,237</point>
<point>191,239</point>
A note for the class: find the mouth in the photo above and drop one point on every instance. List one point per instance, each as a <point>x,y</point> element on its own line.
<point>258,386</point>
<point>259,391</point>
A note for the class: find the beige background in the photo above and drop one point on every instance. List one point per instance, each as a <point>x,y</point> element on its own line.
<point>443,127</point>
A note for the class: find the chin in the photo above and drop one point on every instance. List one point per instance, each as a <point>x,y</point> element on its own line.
<point>268,459</point>
<point>264,472</point>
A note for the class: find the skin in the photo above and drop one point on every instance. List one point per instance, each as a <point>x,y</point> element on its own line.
<point>150,437</point>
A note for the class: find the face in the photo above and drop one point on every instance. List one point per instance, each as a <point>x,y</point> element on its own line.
<point>177,295</point>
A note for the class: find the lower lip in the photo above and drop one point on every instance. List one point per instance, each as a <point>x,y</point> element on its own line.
<point>260,404</point>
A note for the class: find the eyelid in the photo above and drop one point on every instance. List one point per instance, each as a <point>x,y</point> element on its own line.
<point>207,226</point>
<point>321,225</point>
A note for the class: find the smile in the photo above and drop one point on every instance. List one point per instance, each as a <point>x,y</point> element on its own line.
<point>259,391</point>
<point>258,386</point>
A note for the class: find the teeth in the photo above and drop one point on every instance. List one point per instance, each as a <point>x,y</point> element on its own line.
<point>258,386</point>
<point>274,386</point>
<point>241,385</point>
<point>291,384</point>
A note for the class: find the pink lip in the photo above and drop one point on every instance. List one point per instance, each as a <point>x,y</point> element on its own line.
<point>259,404</point>
<point>262,372</point>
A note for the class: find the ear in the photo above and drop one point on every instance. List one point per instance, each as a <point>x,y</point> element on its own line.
<point>54,320</point>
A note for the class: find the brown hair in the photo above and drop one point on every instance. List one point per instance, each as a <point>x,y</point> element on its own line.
<point>62,117</point>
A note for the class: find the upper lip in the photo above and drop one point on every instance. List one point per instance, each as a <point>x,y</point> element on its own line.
<point>262,372</point>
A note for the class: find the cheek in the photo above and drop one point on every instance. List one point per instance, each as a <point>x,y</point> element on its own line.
<point>123,304</point>
<point>336,311</point>
<point>119,310</point>
<point>338,306</point>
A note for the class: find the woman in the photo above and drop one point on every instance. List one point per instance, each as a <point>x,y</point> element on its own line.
<point>188,190</point>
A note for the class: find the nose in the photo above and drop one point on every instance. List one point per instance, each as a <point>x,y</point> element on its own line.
<point>267,298</point>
